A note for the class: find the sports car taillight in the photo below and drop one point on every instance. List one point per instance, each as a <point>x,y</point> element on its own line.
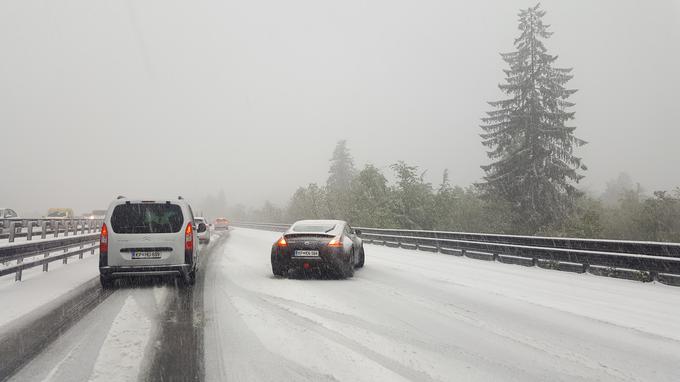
<point>336,242</point>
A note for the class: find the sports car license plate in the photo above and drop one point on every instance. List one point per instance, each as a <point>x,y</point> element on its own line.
<point>146,255</point>
<point>305,253</point>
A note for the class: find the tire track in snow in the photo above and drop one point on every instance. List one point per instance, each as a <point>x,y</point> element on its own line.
<point>233,351</point>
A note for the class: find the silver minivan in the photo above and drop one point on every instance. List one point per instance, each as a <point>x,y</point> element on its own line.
<point>148,238</point>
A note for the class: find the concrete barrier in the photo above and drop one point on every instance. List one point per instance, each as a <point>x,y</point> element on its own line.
<point>517,260</point>
<point>408,246</point>
<point>561,266</point>
<point>620,273</point>
<point>669,279</point>
<point>480,255</point>
<point>451,251</point>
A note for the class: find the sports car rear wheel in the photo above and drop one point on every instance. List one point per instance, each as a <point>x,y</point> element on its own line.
<point>362,258</point>
<point>349,267</point>
<point>278,270</point>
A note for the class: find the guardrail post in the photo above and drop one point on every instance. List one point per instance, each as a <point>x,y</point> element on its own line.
<point>74,224</point>
<point>43,228</point>
<point>66,228</point>
<point>46,265</point>
<point>55,227</point>
<point>80,255</point>
<point>12,231</point>
<point>29,231</point>
<point>17,276</point>
<point>65,260</point>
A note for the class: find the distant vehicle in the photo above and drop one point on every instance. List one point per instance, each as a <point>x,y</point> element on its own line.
<point>318,244</point>
<point>96,215</point>
<point>221,224</point>
<point>149,237</point>
<point>203,237</point>
<point>8,213</point>
<point>60,213</point>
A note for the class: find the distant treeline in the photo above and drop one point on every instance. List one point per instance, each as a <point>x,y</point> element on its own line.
<point>366,198</point>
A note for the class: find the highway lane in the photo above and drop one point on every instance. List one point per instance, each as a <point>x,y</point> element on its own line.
<point>412,315</point>
<point>149,330</point>
<point>407,315</point>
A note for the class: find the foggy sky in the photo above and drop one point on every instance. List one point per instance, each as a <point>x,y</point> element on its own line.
<point>162,98</point>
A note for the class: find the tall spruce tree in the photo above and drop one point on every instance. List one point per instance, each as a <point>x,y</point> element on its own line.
<point>338,185</point>
<point>531,146</point>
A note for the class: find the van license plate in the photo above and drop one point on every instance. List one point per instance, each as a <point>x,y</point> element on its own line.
<point>146,255</point>
<point>300,253</point>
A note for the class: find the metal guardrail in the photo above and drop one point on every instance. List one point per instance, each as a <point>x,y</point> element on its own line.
<point>45,251</point>
<point>14,227</point>
<point>646,260</point>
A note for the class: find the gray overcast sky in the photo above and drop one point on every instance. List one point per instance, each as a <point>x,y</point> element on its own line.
<point>159,97</point>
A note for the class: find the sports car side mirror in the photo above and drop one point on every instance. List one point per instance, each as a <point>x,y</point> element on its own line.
<point>201,227</point>
<point>357,232</point>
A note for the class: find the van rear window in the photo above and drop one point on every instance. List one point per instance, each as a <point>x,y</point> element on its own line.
<point>147,218</point>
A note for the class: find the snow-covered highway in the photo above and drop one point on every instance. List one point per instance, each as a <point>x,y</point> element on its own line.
<point>408,315</point>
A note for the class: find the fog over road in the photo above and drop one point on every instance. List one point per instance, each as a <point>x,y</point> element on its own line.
<point>408,315</point>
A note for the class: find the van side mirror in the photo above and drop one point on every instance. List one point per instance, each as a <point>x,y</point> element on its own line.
<point>201,227</point>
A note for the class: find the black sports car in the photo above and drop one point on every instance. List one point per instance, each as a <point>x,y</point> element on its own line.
<point>318,245</point>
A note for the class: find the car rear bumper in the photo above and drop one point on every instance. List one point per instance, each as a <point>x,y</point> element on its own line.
<point>326,259</point>
<point>145,270</point>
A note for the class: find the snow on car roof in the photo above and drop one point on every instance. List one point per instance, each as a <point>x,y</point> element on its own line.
<point>316,226</point>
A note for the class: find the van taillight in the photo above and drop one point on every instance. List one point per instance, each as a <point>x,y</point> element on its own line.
<point>103,246</point>
<point>189,244</point>
<point>104,240</point>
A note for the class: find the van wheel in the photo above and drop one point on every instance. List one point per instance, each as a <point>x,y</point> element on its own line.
<point>190,278</point>
<point>107,282</point>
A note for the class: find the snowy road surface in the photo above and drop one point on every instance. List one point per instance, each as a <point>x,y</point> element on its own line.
<point>407,315</point>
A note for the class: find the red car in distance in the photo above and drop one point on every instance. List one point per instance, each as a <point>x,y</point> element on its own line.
<point>221,224</point>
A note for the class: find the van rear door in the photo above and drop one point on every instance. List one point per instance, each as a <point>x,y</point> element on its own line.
<point>146,233</point>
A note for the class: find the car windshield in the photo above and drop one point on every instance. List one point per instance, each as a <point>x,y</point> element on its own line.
<point>147,218</point>
<point>313,227</point>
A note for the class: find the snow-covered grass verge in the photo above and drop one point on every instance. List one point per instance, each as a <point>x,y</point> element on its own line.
<point>38,288</point>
